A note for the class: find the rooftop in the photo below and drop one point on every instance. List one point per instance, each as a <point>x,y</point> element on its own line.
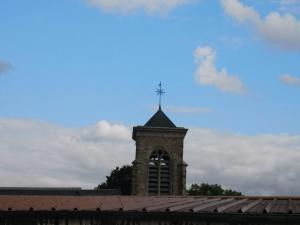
<point>167,204</point>
<point>160,119</point>
<point>58,191</point>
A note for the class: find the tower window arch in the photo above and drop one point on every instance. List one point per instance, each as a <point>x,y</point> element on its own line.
<point>159,173</point>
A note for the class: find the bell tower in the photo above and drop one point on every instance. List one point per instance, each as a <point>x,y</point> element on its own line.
<point>158,168</point>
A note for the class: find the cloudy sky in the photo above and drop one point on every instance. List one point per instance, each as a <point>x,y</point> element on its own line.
<point>76,75</point>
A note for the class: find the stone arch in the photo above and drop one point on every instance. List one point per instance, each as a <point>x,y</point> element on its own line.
<point>159,172</point>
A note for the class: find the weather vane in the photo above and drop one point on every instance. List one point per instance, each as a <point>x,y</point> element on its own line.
<point>160,92</point>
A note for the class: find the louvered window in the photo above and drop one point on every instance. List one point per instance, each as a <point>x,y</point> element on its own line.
<point>159,173</point>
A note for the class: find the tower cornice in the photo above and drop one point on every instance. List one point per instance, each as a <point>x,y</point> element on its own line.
<point>159,131</point>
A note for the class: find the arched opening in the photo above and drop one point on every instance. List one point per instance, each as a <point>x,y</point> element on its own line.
<point>159,173</point>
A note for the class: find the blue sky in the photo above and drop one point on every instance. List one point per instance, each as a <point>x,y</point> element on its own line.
<point>228,66</point>
<point>74,64</point>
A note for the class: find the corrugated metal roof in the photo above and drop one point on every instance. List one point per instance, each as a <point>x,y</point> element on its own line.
<point>199,204</point>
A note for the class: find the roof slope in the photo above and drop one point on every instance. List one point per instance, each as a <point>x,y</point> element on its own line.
<point>167,204</point>
<point>160,119</point>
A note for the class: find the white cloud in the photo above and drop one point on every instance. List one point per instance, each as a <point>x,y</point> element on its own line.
<point>128,6</point>
<point>104,130</point>
<point>36,153</point>
<point>263,164</point>
<point>290,80</point>
<point>5,67</point>
<point>207,73</point>
<point>240,12</point>
<point>41,154</point>
<point>281,30</point>
<point>187,110</point>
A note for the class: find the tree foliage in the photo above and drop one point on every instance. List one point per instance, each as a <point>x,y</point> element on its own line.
<point>211,189</point>
<point>119,178</point>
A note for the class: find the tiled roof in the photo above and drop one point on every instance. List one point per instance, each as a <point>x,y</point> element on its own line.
<point>160,119</point>
<point>193,205</point>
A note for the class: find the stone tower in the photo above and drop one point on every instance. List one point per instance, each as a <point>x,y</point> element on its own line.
<point>158,168</point>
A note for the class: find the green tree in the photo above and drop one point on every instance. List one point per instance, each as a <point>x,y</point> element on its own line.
<point>119,178</point>
<point>230,192</point>
<point>211,189</point>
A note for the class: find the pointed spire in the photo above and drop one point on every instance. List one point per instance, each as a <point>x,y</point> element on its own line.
<point>160,119</point>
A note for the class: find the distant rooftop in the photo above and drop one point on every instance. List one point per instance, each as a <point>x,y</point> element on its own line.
<point>58,191</point>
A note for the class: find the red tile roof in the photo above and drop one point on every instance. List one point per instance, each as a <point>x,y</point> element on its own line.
<point>199,204</point>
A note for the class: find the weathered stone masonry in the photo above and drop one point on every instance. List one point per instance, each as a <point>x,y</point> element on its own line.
<point>159,134</point>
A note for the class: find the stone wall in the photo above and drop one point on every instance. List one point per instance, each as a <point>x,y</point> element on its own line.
<point>151,139</point>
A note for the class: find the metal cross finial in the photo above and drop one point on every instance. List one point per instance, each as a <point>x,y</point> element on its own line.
<point>160,92</point>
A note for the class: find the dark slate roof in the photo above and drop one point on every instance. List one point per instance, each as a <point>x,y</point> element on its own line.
<point>163,204</point>
<point>72,191</point>
<point>159,119</point>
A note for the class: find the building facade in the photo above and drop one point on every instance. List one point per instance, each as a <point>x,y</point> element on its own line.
<point>158,168</point>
